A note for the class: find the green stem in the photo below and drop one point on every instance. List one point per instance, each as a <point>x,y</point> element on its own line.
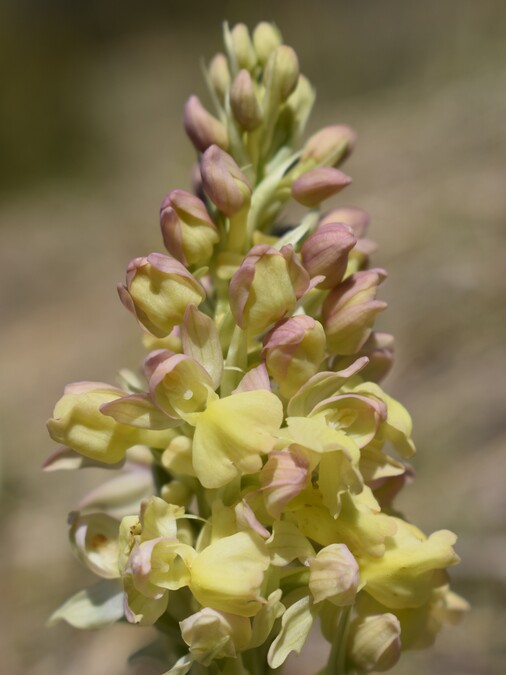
<point>238,241</point>
<point>268,195</point>
<point>202,504</point>
<point>336,664</point>
<point>235,362</point>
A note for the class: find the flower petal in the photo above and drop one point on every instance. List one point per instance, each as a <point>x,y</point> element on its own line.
<point>233,433</point>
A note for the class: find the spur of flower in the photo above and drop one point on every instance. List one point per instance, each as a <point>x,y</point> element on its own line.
<point>255,457</point>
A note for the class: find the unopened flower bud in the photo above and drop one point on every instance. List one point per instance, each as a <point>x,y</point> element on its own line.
<point>352,216</point>
<point>334,575</point>
<point>350,309</point>
<point>300,103</point>
<point>325,252</point>
<point>282,71</point>
<point>244,102</point>
<point>203,129</point>
<point>224,182</point>
<point>293,351</point>
<point>158,290</point>
<point>188,232</point>
<point>284,476</point>
<point>374,642</point>
<point>318,184</point>
<point>358,221</point>
<point>386,488</point>
<point>219,74</point>
<point>215,635</point>
<point>329,146</point>
<point>379,348</point>
<point>266,37</point>
<point>266,286</point>
<point>243,47</point>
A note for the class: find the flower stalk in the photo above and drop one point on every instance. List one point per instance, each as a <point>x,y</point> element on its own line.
<point>256,457</point>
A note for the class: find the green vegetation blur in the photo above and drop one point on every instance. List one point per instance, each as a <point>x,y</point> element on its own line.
<point>91,139</point>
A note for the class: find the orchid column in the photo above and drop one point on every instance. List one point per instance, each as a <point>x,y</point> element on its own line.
<point>254,475</point>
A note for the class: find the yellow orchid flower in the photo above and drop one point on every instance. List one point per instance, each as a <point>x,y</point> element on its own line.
<point>233,433</point>
<point>228,574</point>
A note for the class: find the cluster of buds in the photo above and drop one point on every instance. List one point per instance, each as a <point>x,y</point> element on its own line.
<point>256,457</point>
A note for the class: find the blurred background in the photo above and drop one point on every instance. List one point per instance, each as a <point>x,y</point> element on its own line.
<point>91,140</point>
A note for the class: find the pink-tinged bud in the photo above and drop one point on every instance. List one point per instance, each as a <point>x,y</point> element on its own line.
<point>153,360</point>
<point>255,378</point>
<point>329,146</point>
<point>319,184</point>
<point>352,216</point>
<point>349,311</point>
<point>284,476</point>
<point>334,575</point>
<point>266,37</point>
<point>158,290</point>
<point>223,181</point>
<point>219,74</point>
<point>379,348</point>
<point>266,287</point>
<point>242,45</point>
<point>358,221</point>
<point>387,488</point>
<point>326,252</point>
<point>244,102</point>
<point>188,232</point>
<point>282,72</point>
<point>202,128</point>
<point>293,351</point>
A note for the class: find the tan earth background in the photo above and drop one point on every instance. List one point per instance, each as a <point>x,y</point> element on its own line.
<point>91,140</point>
